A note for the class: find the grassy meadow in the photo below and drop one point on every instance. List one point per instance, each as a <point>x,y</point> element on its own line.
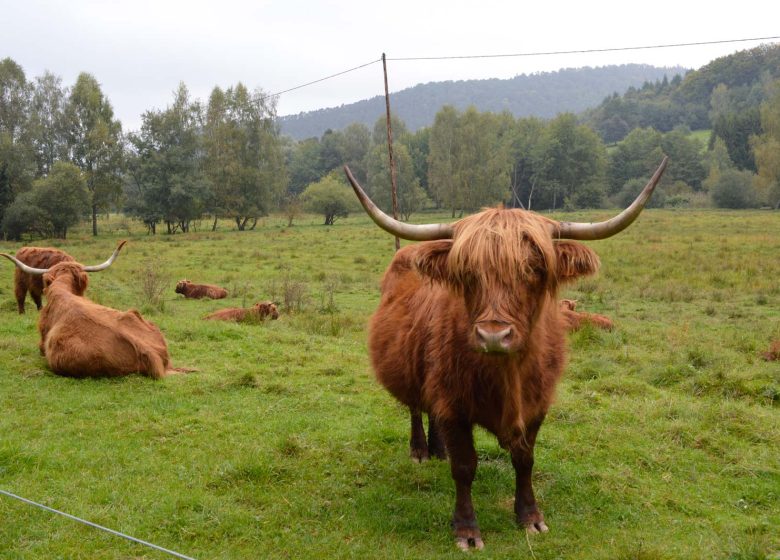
<point>664,442</point>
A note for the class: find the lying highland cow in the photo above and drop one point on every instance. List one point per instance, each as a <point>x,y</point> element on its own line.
<point>257,312</point>
<point>469,331</point>
<point>574,320</point>
<point>774,352</point>
<point>36,257</point>
<point>80,338</point>
<point>198,291</point>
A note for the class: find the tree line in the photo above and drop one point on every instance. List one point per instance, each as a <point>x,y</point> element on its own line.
<point>64,157</point>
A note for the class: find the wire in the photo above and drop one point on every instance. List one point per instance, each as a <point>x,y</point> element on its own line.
<point>323,79</point>
<point>582,51</point>
<point>96,526</point>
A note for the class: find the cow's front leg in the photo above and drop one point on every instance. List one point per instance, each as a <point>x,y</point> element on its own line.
<point>459,441</point>
<point>418,448</point>
<point>522,450</point>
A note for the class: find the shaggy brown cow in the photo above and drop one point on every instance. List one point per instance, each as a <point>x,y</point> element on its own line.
<point>258,311</point>
<point>37,257</point>
<point>774,352</point>
<point>80,338</point>
<point>198,291</point>
<point>469,330</point>
<point>574,320</point>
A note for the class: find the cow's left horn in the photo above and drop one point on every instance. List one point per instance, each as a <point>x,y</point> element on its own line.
<point>23,267</point>
<point>109,262</point>
<point>412,232</point>
<point>608,228</point>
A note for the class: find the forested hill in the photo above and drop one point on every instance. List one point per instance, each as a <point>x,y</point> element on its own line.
<point>724,95</point>
<point>542,95</point>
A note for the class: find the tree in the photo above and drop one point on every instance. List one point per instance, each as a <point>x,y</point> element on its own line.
<point>734,189</point>
<point>766,149</point>
<point>55,203</point>
<point>16,162</point>
<point>331,197</point>
<point>410,195</point>
<point>47,124</point>
<point>166,168</point>
<point>441,157</point>
<point>95,143</point>
<point>244,160</point>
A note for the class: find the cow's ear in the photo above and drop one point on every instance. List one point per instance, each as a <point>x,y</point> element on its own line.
<point>47,279</point>
<point>431,259</point>
<point>81,281</point>
<point>575,259</point>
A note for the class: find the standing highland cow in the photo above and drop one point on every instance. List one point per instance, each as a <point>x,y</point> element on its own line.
<point>469,330</point>
<point>36,257</point>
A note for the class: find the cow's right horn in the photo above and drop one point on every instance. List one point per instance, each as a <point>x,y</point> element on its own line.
<point>109,262</point>
<point>412,232</point>
<point>23,267</point>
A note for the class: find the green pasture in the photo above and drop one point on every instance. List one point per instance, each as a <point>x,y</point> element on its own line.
<point>664,442</point>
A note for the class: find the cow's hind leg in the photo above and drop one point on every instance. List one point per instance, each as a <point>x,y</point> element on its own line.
<point>436,446</point>
<point>522,451</point>
<point>417,444</point>
<point>20,291</point>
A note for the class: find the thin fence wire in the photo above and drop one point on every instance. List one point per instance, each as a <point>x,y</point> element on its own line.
<point>96,526</point>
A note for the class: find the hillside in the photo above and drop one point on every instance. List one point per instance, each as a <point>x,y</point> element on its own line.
<point>542,95</point>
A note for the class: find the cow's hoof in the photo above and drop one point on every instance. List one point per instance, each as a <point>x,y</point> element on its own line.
<point>534,528</point>
<point>533,520</point>
<point>419,455</point>
<point>465,544</point>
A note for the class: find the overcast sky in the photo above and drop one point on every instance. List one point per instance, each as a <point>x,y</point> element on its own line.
<point>139,50</point>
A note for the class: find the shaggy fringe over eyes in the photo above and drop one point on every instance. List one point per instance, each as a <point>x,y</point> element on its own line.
<point>510,242</point>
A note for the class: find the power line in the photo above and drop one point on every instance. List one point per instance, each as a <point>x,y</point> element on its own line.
<point>96,526</point>
<point>583,51</point>
<point>535,53</point>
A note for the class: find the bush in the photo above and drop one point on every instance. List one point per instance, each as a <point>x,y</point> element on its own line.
<point>734,189</point>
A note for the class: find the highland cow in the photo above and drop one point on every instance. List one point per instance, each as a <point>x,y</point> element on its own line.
<point>575,320</point>
<point>36,257</point>
<point>258,312</point>
<point>80,338</point>
<point>198,291</point>
<point>469,331</point>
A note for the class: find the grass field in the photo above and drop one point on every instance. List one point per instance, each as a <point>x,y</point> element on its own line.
<point>664,441</point>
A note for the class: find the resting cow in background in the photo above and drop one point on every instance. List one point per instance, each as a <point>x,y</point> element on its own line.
<point>198,291</point>
<point>258,311</point>
<point>469,330</point>
<point>36,257</point>
<point>80,338</point>
<point>574,320</point>
<point>774,352</point>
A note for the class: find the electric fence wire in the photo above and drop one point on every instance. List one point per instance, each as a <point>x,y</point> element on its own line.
<point>96,526</point>
<point>526,54</point>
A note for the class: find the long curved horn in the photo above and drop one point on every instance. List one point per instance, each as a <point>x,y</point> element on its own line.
<point>23,267</point>
<point>109,262</point>
<point>412,232</point>
<point>608,228</point>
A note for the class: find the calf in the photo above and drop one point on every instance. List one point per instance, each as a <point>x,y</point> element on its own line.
<point>258,311</point>
<point>198,291</point>
<point>574,320</point>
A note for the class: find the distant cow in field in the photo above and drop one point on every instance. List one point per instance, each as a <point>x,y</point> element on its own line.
<point>36,257</point>
<point>574,320</point>
<point>80,338</point>
<point>198,291</point>
<point>257,312</point>
<point>774,352</point>
<point>469,330</point>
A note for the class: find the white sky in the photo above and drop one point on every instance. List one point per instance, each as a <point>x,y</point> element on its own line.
<point>139,50</point>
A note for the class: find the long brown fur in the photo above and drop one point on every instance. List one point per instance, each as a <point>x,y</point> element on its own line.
<point>774,352</point>
<point>36,257</point>
<point>80,338</point>
<point>198,291</point>
<point>258,311</point>
<point>501,270</point>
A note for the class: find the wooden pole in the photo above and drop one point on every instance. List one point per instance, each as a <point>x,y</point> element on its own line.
<point>393,188</point>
